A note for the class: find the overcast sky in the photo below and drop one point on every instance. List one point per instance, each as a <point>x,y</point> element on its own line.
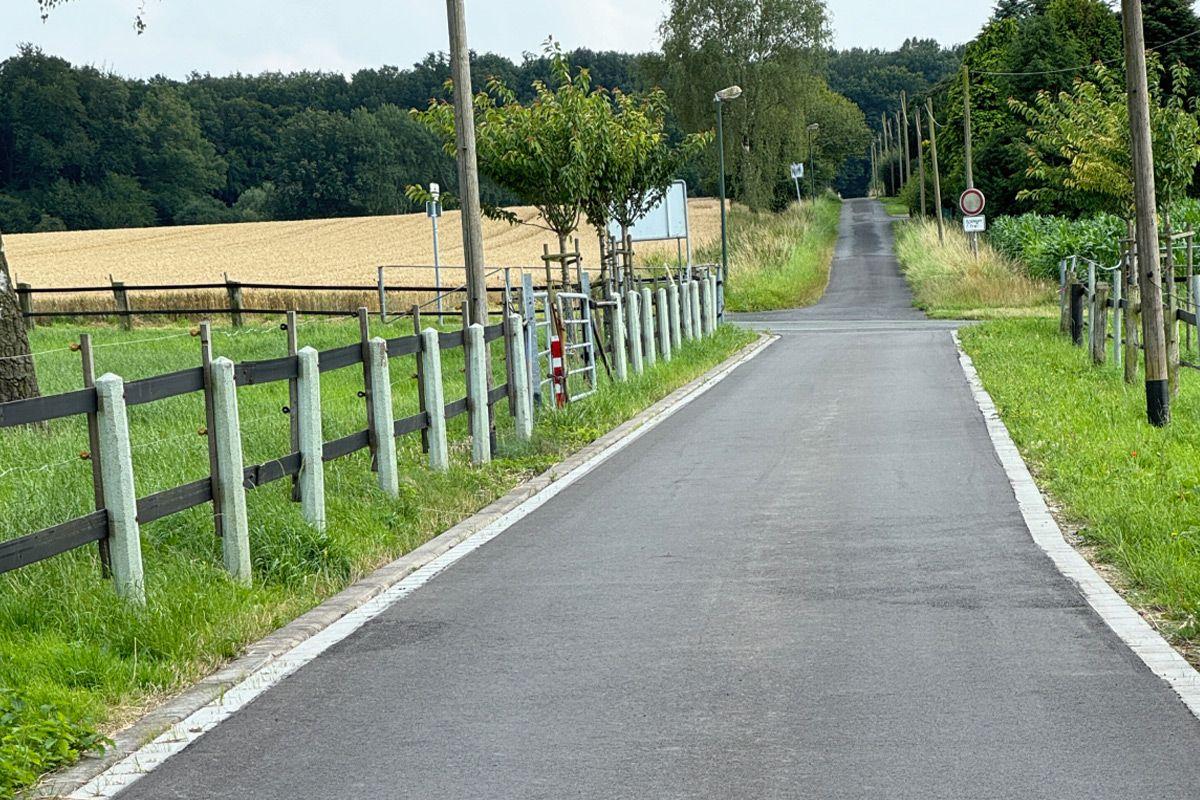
<point>223,36</point>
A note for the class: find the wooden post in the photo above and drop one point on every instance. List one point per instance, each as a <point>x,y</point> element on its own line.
<point>124,317</point>
<point>1129,269</point>
<point>293,397</point>
<point>1170,318</point>
<point>937,177</point>
<point>1078,292</point>
<point>1099,323</point>
<point>921,162</point>
<point>89,380</point>
<point>213,466</point>
<point>468,169</point>
<point>234,291</point>
<point>1188,293</point>
<point>364,337</point>
<point>420,376</point>
<point>904,128</point>
<point>968,161</point>
<point>26,301</point>
<point>1158,397</point>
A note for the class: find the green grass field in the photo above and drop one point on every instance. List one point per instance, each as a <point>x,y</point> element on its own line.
<point>948,281</point>
<point>894,206</point>
<point>74,660</point>
<point>1133,489</point>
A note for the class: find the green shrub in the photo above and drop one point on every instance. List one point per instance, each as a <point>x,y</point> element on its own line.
<point>37,737</point>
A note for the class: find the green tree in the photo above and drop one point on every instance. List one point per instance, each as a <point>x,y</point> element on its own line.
<point>175,162</point>
<point>1078,142</point>
<point>774,50</point>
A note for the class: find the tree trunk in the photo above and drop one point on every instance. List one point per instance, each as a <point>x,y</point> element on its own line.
<point>18,380</point>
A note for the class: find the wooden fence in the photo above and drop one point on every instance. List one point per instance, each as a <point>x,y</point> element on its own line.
<point>680,312</point>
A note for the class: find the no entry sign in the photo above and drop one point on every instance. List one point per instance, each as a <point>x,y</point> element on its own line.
<point>971,203</point>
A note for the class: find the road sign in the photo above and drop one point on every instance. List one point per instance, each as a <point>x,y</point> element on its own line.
<point>797,170</point>
<point>976,224</point>
<point>433,209</point>
<point>971,203</point>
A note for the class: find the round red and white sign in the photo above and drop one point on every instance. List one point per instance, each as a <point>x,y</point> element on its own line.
<point>971,203</point>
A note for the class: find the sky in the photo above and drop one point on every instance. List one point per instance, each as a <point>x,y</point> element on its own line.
<point>225,36</point>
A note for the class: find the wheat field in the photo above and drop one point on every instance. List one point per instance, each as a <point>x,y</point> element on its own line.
<point>324,252</point>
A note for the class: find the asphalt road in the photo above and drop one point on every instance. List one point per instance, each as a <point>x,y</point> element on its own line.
<point>811,582</point>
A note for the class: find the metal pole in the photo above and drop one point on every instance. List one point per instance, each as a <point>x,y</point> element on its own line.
<point>812,168</point>
<point>437,264</point>
<point>721,184</point>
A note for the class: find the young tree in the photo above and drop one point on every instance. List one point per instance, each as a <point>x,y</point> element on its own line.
<point>1078,142</point>
<point>548,153</point>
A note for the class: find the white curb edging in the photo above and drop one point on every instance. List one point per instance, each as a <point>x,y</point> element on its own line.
<point>178,736</point>
<point>1142,639</point>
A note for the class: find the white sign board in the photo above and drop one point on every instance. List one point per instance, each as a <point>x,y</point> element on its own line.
<point>797,170</point>
<point>667,220</point>
<point>975,224</point>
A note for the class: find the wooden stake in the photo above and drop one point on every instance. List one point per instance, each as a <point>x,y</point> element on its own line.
<point>921,161</point>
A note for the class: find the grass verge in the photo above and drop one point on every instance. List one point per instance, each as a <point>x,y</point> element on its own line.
<point>1133,490</point>
<point>73,661</point>
<point>948,281</point>
<point>778,260</point>
<point>894,206</point>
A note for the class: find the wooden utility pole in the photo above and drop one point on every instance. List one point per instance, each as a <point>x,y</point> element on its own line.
<point>920,160</point>
<point>468,168</point>
<point>937,177</point>
<point>887,149</point>
<point>904,127</point>
<point>970,166</point>
<point>1158,397</point>
<point>899,150</point>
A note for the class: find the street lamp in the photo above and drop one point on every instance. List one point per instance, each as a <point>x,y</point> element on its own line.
<point>720,98</point>
<point>812,161</point>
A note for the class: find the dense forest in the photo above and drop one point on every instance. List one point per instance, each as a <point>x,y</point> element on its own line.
<point>80,148</point>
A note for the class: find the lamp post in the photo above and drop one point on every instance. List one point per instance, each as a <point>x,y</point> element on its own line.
<point>720,98</point>
<point>434,210</point>
<point>812,161</point>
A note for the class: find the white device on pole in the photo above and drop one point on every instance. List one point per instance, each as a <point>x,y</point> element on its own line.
<point>434,209</point>
<point>668,219</point>
<point>976,224</point>
<point>797,171</point>
<point>971,203</point>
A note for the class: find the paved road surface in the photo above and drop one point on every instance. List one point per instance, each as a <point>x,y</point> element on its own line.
<point>812,582</point>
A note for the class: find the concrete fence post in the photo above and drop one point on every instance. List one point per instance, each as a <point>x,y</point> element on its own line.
<point>713,304</point>
<point>673,306</point>
<point>477,403</point>
<point>694,305</point>
<point>382,417</point>
<point>685,309</point>
<point>620,358</point>
<point>227,430</point>
<point>1117,322</point>
<point>649,350</point>
<point>664,325</point>
<point>435,400</point>
<point>706,309</point>
<point>120,497</point>
<point>523,398</point>
<point>311,438</point>
<point>634,317</point>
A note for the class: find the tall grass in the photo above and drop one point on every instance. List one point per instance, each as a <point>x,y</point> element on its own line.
<point>778,260</point>
<point>1134,489</point>
<point>949,281</point>
<point>70,651</point>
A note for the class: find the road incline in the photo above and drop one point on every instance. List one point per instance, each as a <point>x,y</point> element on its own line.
<point>813,581</point>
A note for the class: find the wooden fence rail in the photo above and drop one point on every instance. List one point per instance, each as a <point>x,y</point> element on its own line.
<point>114,523</point>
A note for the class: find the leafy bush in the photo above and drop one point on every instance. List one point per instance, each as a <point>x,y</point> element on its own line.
<point>36,738</point>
